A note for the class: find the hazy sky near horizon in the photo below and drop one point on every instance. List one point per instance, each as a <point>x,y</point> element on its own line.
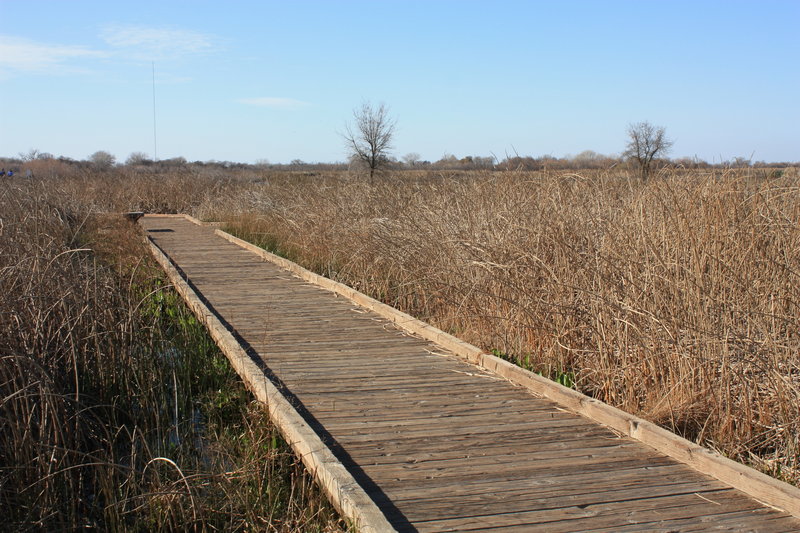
<point>278,80</point>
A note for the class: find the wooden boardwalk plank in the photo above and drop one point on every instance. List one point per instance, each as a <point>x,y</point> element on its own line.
<point>566,516</point>
<point>437,443</point>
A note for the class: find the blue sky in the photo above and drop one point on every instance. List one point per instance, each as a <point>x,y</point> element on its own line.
<point>244,81</point>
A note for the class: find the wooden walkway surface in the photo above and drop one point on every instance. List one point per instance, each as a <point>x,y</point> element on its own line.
<point>437,443</point>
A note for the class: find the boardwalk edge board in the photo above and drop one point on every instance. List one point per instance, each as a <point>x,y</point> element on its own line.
<point>342,489</point>
<point>765,489</point>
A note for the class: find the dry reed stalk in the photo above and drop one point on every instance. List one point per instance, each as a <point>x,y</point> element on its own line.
<point>95,362</point>
<point>675,299</point>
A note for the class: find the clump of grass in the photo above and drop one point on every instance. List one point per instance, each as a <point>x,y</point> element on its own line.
<point>565,378</point>
<point>117,411</point>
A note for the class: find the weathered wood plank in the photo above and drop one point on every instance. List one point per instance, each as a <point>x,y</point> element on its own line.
<point>581,497</point>
<point>598,515</point>
<point>569,482</point>
<point>400,444</point>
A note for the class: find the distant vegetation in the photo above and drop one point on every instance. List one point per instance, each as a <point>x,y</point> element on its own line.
<point>49,165</point>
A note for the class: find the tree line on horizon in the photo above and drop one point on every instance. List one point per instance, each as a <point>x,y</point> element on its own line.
<point>368,141</point>
<point>585,160</point>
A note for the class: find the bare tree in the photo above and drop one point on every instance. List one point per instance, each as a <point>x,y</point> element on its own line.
<point>102,160</point>
<point>34,154</point>
<point>646,143</point>
<point>411,159</point>
<point>370,138</point>
<point>138,158</point>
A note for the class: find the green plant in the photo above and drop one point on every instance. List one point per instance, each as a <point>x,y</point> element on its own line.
<point>565,378</point>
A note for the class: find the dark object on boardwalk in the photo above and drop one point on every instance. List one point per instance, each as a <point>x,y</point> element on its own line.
<point>134,216</point>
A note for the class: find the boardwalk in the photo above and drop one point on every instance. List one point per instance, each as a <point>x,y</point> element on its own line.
<point>435,442</point>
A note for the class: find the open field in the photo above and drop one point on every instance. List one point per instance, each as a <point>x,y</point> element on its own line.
<point>675,299</point>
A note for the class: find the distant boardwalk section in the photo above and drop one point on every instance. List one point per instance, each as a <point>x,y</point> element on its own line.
<point>405,433</point>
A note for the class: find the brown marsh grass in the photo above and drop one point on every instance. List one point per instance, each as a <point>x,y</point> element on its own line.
<point>675,299</point>
<point>117,412</point>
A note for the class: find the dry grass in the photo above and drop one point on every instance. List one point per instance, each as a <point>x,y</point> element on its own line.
<point>117,412</point>
<point>675,299</point>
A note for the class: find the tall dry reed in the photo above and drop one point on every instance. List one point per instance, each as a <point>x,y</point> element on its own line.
<point>675,299</point>
<point>117,412</point>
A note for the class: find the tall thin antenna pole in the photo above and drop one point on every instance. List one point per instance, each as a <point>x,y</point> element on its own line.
<point>155,143</point>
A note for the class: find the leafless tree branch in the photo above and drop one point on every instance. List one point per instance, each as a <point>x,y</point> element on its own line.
<point>369,138</point>
<point>646,142</point>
